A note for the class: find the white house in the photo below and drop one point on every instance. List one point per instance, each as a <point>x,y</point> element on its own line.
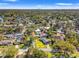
<point>38,31</point>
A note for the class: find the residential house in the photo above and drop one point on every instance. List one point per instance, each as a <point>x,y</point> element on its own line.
<point>46,28</point>
<point>60,35</point>
<point>55,50</point>
<point>77,31</point>
<point>44,40</point>
<point>43,34</point>
<point>11,36</point>
<point>6,42</point>
<point>33,34</point>
<point>37,31</point>
<point>18,37</point>
<point>1,20</point>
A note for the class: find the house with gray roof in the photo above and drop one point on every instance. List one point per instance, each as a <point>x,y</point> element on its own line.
<point>1,20</point>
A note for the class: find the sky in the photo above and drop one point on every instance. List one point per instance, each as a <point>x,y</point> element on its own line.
<point>39,4</point>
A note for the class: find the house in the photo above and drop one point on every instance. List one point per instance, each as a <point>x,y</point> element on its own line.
<point>60,35</point>
<point>60,31</point>
<point>37,31</point>
<point>1,20</point>
<point>21,25</point>
<point>18,37</point>
<point>46,28</point>
<point>33,34</point>
<point>77,31</point>
<point>44,40</point>
<point>43,34</point>
<point>55,50</point>
<point>6,42</point>
<point>9,36</point>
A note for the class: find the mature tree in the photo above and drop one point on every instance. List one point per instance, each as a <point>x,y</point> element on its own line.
<point>62,48</point>
<point>35,53</point>
<point>9,52</point>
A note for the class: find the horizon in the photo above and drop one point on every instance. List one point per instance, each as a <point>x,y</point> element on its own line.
<point>39,4</point>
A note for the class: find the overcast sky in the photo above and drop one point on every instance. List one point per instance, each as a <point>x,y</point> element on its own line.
<point>39,4</point>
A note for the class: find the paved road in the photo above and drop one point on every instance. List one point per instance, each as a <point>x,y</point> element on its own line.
<point>45,49</point>
<point>48,49</point>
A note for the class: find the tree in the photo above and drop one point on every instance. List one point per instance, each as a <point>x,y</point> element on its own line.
<point>9,52</point>
<point>73,38</point>
<point>35,53</point>
<point>63,48</point>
